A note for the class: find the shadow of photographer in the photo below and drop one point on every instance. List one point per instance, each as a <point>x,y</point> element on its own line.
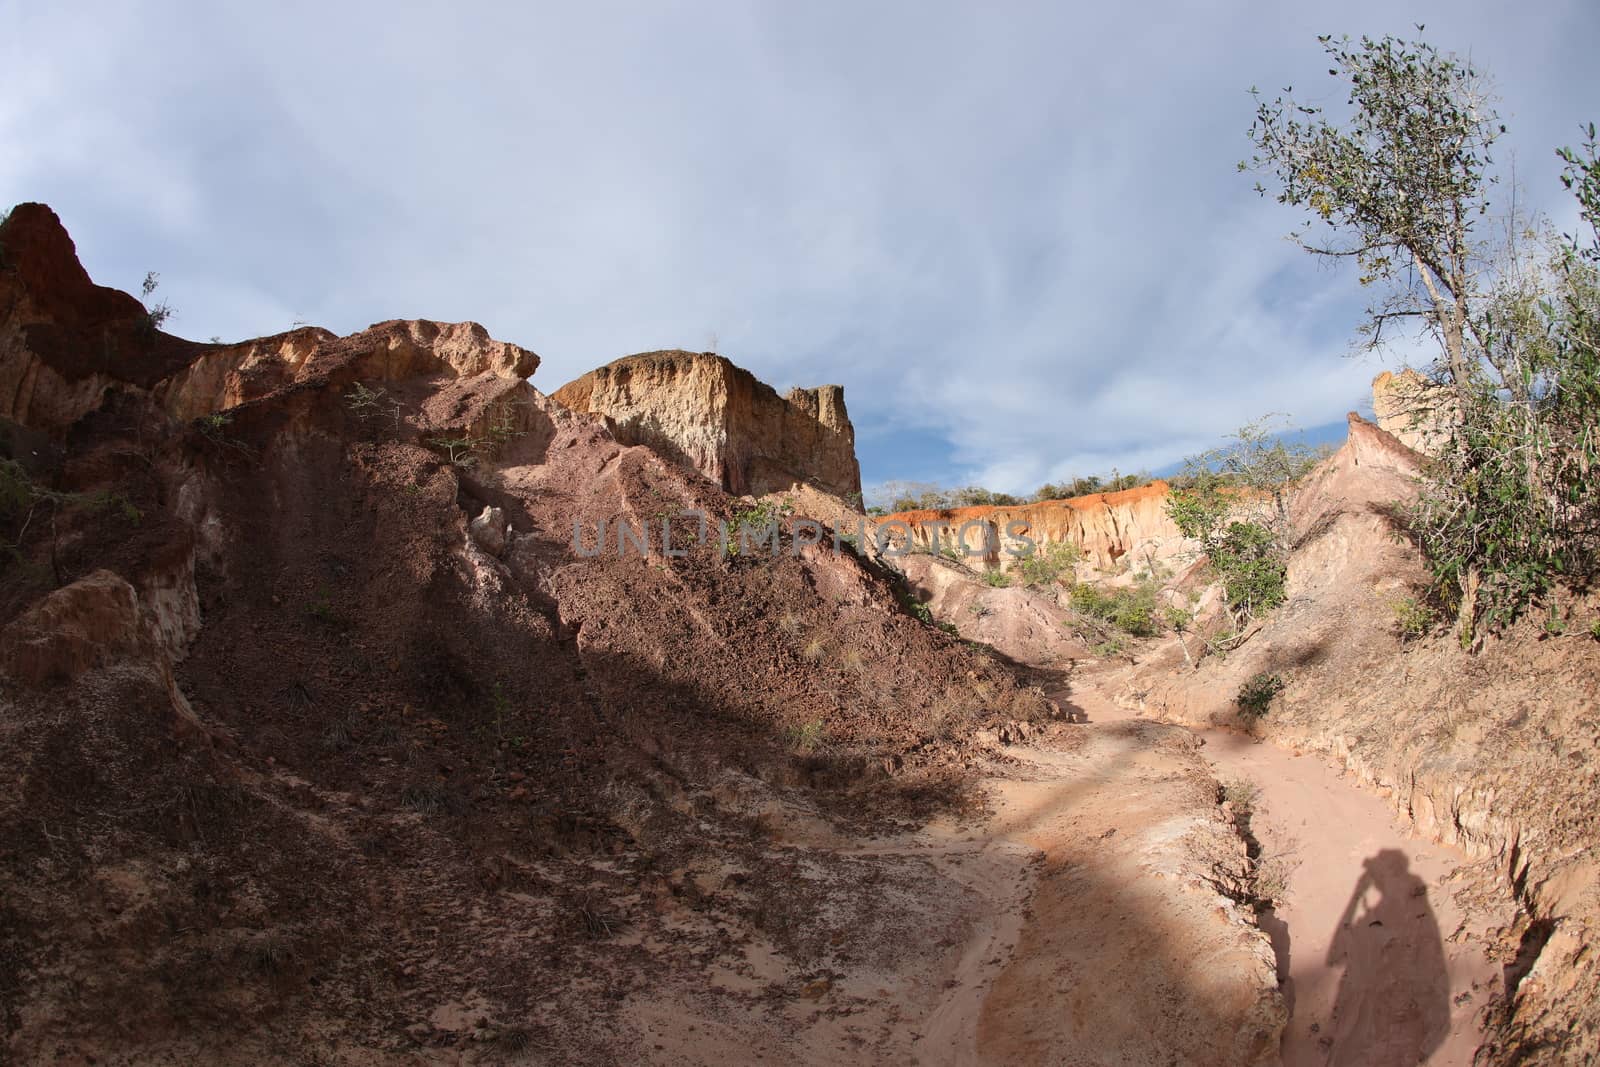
<point>1393,1004</point>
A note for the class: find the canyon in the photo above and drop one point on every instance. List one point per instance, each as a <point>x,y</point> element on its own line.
<point>330,747</point>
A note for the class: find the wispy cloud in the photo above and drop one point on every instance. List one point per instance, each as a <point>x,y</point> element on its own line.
<point>1014,234</point>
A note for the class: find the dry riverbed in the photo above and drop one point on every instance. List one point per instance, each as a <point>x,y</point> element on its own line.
<point>1092,915</point>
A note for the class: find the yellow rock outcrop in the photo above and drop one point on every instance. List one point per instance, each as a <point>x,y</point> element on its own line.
<point>703,411</point>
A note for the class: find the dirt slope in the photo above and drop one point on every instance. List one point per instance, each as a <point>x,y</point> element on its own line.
<point>1381,943</point>
<point>326,742</point>
<point>1087,895</point>
<point>1134,949</point>
<point>1025,626</point>
<point>1489,754</point>
<point>332,745</point>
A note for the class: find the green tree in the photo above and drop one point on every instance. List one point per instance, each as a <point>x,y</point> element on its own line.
<point>1234,500</point>
<point>1510,507</point>
<point>1400,188</point>
<point>156,314</point>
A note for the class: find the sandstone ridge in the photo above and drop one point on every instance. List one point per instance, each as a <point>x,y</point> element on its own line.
<point>65,343</point>
<point>701,410</point>
<point>1129,526</point>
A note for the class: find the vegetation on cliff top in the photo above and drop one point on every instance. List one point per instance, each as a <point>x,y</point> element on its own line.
<point>925,496</point>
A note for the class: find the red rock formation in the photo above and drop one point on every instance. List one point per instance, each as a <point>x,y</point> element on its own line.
<point>64,342</point>
<point>94,620</point>
<point>388,351</point>
<point>276,701</point>
<point>702,410</point>
<point>63,339</point>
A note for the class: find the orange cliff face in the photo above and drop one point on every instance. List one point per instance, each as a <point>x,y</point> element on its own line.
<point>1109,528</point>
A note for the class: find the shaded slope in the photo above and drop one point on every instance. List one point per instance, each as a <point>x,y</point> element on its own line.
<point>303,765</point>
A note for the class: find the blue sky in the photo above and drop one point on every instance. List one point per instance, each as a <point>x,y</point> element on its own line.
<point>1014,231</point>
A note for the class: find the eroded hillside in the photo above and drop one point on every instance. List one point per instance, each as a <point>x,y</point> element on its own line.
<point>331,743</point>
<point>342,732</point>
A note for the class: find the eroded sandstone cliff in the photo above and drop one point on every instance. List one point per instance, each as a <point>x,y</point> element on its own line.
<point>1129,528</point>
<point>717,418</point>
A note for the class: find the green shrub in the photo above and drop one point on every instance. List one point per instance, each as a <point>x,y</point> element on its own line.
<point>922,496</point>
<point>1131,609</point>
<point>759,516</point>
<point>1251,561</point>
<point>1089,485</point>
<point>922,613</point>
<point>806,736</point>
<point>1253,474</point>
<point>1091,601</point>
<point>913,607</point>
<point>21,498</point>
<point>459,451</point>
<point>321,609</point>
<point>155,315</point>
<point>214,425</point>
<point>1555,624</point>
<point>1413,617</point>
<point>1257,694</point>
<point>996,579</point>
<point>1111,646</point>
<point>1049,563</point>
<point>363,400</point>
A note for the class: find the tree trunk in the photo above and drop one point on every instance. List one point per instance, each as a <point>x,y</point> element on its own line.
<point>1466,617</point>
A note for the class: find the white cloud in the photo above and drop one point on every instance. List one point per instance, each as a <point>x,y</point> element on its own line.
<point>1021,234</point>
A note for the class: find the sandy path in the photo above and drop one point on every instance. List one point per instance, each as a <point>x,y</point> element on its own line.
<point>1405,984</point>
<point>1076,923</point>
<point>1083,922</point>
<point>1129,953</point>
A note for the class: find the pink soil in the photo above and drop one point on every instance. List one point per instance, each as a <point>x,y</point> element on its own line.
<point>1407,985</point>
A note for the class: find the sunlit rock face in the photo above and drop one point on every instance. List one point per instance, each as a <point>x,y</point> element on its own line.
<point>1129,529</point>
<point>1416,411</point>
<point>701,410</point>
